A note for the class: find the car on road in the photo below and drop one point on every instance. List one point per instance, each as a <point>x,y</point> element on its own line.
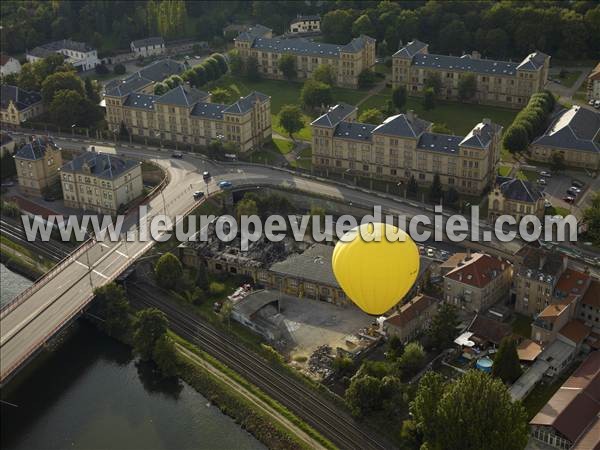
<point>542,182</point>
<point>543,173</point>
<point>597,104</point>
<point>430,252</point>
<point>569,199</point>
<point>198,195</point>
<point>206,175</point>
<point>577,184</point>
<point>224,184</point>
<point>177,155</point>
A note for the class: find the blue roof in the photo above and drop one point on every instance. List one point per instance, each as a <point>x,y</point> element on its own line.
<point>354,130</point>
<point>576,128</point>
<point>246,103</point>
<point>182,96</point>
<point>334,115</point>
<point>301,46</point>
<point>101,165</point>
<point>21,98</point>
<point>35,149</point>
<point>465,63</point>
<point>209,110</point>
<point>403,125</point>
<point>437,142</point>
<point>142,101</point>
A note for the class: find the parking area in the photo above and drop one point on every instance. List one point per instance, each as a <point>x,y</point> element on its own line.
<point>556,187</point>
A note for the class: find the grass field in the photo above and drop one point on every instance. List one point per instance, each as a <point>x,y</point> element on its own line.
<point>569,78</point>
<point>283,146</point>
<point>504,171</point>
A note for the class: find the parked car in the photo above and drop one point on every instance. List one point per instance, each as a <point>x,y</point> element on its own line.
<point>543,173</point>
<point>206,175</point>
<point>430,252</point>
<point>591,102</point>
<point>225,184</point>
<point>577,183</point>
<point>569,199</point>
<point>547,204</point>
<point>421,250</point>
<point>597,104</point>
<point>198,195</point>
<point>177,155</point>
<point>572,192</point>
<point>575,189</point>
<point>542,182</point>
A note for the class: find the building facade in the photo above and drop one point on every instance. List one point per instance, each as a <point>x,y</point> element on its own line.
<point>593,84</point>
<point>305,24</point>
<point>101,182</point>
<point>478,282</point>
<point>574,133</point>
<point>19,105</point>
<point>498,82</point>
<point>514,197</point>
<point>402,147</point>
<point>347,61</point>
<point>82,56</point>
<point>9,65</point>
<point>413,317</point>
<point>38,163</point>
<point>152,46</point>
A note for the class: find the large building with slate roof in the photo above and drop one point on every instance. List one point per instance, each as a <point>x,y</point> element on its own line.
<point>498,82</point>
<point>151,46</point>
<point>402,147</point>
<point>515,197</point>
<point>38,162</point>
<point>575,133</point>
<point>185,114</point>
<point>101,182</point>
<point>79,54</point>
<point>19,105</point>
<point>305,24</point>
<point>348,60</point>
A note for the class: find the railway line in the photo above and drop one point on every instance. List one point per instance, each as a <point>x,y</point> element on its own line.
<point>55,251</point>
<point>324,417</point>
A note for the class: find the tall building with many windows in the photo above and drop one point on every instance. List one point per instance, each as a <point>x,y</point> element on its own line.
<point>502,83</point>
<point>37,163</point>
<point>348,61</point>
<point>403,146</point>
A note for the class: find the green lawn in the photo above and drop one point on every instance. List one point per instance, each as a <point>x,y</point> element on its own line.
<point>305,161</point>
<point>263,157</point>
<point>283,146</point>
<point>569,78</point>
<point>504,171</point>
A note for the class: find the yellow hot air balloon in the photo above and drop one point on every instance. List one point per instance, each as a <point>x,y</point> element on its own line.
<point>375,275</point>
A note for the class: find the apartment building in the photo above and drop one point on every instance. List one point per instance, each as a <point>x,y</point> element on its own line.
<point>514,197</point>
<point>305,24</point>
<point>403,146</point>
<point>589,308</point>
<point>413,317</point>
<point>348,61</point>
<point>101,182</point>
<point>9,65</point>
<point>19,105</point>
<point>478,282</point>
<point>38,163</point>
<point>501,83</point>
<point>142,48</point>
<point>79,54</point>
<point>535,279</point>
<point>143,80</point>
<point>575,133</point>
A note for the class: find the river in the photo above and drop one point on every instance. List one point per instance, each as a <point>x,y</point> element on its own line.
<point>91,393</point>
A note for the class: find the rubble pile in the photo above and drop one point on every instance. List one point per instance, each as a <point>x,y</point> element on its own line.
<point>321,361</point>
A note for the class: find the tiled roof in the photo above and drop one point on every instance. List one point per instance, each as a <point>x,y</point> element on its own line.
<point>208,110</point>
<point>411,309</point>
<point>5,138</point>
<point>572,282</point>
<point>479,270</point>
<point>65,44</point>
<point>533,61</point>
<point>489,329</point>
<point>437,142</point>
<point>334,115</point>
<point>182,96</point>
<point>465,63</point>
<point>154,72</point>
<point>540,264</point>
<point>576,128</point>
<point>575,331</point>
<point>403,125</point>
<point>528,350</point>
<point>552,311</point>
<point>592,296</point>
<point>35,149</point>
<point>354,130</point>
<point>520,190</point>
<point>411,49</point>
<point>300,18</point>
<point>21,98</point>
<point>142,101</point>
<point>121,88</point>
<point>158,40</point>
<point>161,69</point>
<point>313,264</point>
<point>252,33</point>
<point>102,165</point>
<point>481,135</point>
<point>246,103</point>
<point>301,46</point>
<point>574,408</point>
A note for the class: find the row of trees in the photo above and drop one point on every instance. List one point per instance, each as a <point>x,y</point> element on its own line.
<point>530,122</point>
<point>211,69</point>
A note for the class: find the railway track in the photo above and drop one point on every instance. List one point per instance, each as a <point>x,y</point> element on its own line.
<point>52,250</point>
<point>326,418</point>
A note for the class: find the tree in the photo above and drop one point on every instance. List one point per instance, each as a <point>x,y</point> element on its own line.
<point>363,25</point>
<point>428,98</point>
<point>506,362</point>
<point>221,61</point>
<point>366,78</point>
<point>436,192</point>
<point>441,128</point>
<point>217,71</point>
<point>150,325</point>
<point>101,69</point>
<point>443,328</point>
<point>236,63</point>
<point>325,74</point>
<point>119,69</point>
<point>434,81</point>
<point>290,118</point>
<point>337,26</point>
<point>91,91</point>
<point>363,395</point>
<point>220,95</point>
<point>412,359</point>
<point>112,305</point>
<point>591,217</point>
<point>467,87</point>
<point>315,94</point>
<point>164,355</point>
<point>516,139</point>
<point>399,97</point>
<point>246,207</point>
<point>475,411</point>
<point>160,89</point>
<point>252,72</point>
<point>395,347</point>
<point>342,364</point>
<point>66,108</point>
<point>382,49</point>
<point>412,187</point>
<point>61,81</point>
<point>372,116</point>
<point>287,66</point>
<point>451,196</point>
<point>168,271</point>
<point>557,162</point>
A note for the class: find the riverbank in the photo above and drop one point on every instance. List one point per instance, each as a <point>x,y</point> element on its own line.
<point>20,260</point>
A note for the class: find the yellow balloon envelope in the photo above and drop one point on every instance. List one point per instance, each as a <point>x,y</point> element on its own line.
<point>375,275</point>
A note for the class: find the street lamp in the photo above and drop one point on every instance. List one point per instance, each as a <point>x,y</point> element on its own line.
<point>73,129</point>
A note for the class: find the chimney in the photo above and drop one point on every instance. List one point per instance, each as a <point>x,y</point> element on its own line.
<point>468,257</point>
<point>475,54</point>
